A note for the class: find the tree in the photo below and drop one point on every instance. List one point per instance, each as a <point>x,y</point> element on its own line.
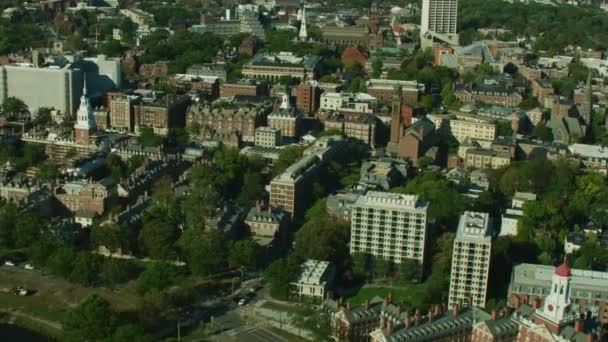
<point>43,116</point>
<point>116,271</point>
<point>86,269</point>
<point>48,172</point>
<point>287,157</point>
<point>279,275</point>
<point>154,307</point>
<point>383,268</point>
<point>198,205</point>
<point>14,107</point>
<point>61,262</point>
<point>112,48</point>
<point>158,275</point>
<point>542,132</point>
<point>309,318</point>
<point>28,230</point>
<point>427,103</point>
<point>91,320</point>
<point>362,265</point>
<point>147,137</point>
<point>128,333</point>
<point>203,250</point>
<point>243,253</point>
<point>253,189</point>
<point>322,238</point>
<point>377,65</point>
<point>503,128</point>
<point>117,168</point>
<point>409,270</point>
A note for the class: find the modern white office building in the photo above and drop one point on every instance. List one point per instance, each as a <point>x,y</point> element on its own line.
<point>439,20</point>
<point>390,226</point>
<point>471,260</point>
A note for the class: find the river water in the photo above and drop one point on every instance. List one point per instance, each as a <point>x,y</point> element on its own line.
<point>13,333</point>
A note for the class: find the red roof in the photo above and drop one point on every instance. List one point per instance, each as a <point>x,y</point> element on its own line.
<point>563,270</point>
<point>353,54</point>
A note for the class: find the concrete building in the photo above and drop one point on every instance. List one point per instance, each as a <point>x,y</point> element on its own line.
<point>58,86</point>
<point>209,69</point>
<point>511,217</point>
<point>316,278</point>
<point>245,20</point>
<point>591,157</point>
<point>267,136</point>
<point>273,66</point>
<point>384,173</point>
<point>138,16</point>
<point>291,189</point>
<point>348,102</point>
<point>482,158</point>
<point>439,21</point>
<point>102,73</point>
<point>471,260</point>
<point>464,127</point>
<point>389,226</point>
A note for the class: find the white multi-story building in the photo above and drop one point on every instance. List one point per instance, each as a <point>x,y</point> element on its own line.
<point>439,20</point>
<point>471,260</point>
<point>316,278</point>
<point>390,226</point>
<point>348,102</point>
<point>267,136</point>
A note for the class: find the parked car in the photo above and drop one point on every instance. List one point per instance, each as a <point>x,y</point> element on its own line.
<point>243,301</point>
<point>9,263</point>
<point>28,267</point>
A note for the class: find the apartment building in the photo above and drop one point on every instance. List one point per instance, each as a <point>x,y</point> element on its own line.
<point>242,120</point>
<point>307,97</point>
<point>348,102</point>
<point>246,87</point>
<point>89,196</point>
<point>361,126</point>
<point>288,122</point>
<point>439,20</point>
<point>389,226</point>
<point>471,260</point>
<point>121,113</point>
<point>267,136</point>
<point>482,158</point>
<point>591,157</point>
<point>387,90</point>
<point>160,114</point>
<point>469,127</point>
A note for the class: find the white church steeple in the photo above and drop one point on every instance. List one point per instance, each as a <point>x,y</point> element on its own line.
<point>85,120</point>
<point>303,35</point>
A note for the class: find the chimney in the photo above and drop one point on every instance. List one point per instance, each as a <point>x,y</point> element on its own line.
<point>390,298</point>
<point>385,303</point>
<point>417,318</point>
<point>507,311</point>
<point>382,322</point>
<point>390,327</point>
<point>366,304</point>
<point>408,320</point>
<point>348,306</point>
<point>535,303</point>
<point>257,206</point>
<point>456,309</point>
<point>431,315</point>
<point>337,304</point>
<point>590,337</point>
<point>578,325</point>
<point>494,315</point>
<point>438,310</point>
<point>399,309</point>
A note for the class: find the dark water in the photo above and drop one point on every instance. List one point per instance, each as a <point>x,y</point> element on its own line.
<point>12,333</point>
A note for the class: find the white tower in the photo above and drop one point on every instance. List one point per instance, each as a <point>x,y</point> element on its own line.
<point>557,308</point>
<point>85,120</point>
<point>303,35</point>
<point>285,105</point>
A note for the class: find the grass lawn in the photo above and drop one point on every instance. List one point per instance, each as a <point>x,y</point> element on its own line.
<point>410,294</point>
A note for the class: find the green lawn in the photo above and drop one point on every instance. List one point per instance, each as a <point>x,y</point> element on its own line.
<point>410,295</point>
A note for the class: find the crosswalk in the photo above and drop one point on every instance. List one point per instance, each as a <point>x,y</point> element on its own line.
<point>240,330</point>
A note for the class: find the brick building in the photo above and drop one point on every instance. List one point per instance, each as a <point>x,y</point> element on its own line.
<point>387,90</point>
<point>228,118</point>
<point>161,114</point>
<point>154,70</point>
<point>245,87</point>
<point>489,92</point>
<point>89,196</point>
<point>121,113</point>
<point>307,97</point>
<point>412,142</point>
<point>359,126</point>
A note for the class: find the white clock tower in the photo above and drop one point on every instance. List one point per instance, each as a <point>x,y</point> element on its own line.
<point>558,308</point>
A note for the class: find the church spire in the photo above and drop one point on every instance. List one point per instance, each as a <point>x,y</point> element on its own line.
<point>303,35</point>
<point>557,307</point>
<point>85,119</point>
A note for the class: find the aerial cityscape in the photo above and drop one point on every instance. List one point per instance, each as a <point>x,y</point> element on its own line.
<point>304,170</point>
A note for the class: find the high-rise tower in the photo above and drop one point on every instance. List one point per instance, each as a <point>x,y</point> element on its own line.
<point>438,22</point>
<point>303,35</point>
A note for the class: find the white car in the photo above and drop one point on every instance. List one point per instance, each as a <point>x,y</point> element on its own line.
<point>243,301</point>
<point>9,263</point>
<point>28,267</point>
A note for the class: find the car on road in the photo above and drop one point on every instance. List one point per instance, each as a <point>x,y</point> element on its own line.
<point>9,263</point>
<point>243,301</point>
<point>28,267</point>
